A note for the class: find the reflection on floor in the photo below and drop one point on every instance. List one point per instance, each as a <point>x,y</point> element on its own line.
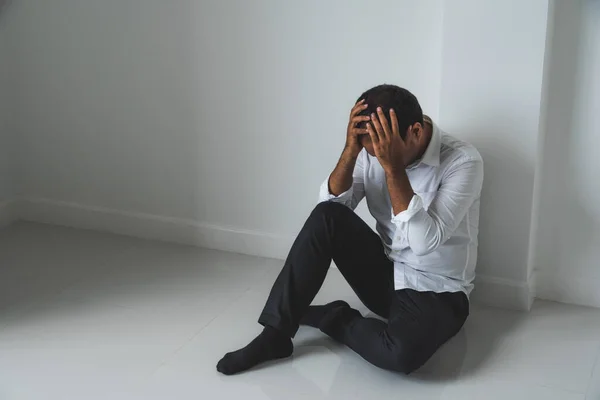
<point>86,315</point>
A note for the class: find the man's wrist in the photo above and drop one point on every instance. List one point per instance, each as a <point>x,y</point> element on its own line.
<point>351,153</point>
<point>394,170</point>
<point>400,189</point>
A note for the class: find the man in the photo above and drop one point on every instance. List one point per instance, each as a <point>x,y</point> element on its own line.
<point>423,188</point>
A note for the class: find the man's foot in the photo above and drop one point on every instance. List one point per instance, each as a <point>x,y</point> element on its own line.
<point>269,345</point>
<point>315,314</point>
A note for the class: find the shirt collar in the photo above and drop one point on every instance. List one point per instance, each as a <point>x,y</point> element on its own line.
<point>432,153</point>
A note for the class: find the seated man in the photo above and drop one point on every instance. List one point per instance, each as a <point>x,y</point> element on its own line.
<point>423,188</point>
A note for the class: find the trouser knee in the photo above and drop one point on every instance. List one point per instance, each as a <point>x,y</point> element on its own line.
<point>329,210</point>
<point>405,361</point>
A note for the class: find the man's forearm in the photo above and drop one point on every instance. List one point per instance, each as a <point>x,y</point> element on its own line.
<point>340,179</point>
<point>401,192</point>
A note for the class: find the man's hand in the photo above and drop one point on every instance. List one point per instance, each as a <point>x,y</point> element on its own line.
<point>353,132</point>
<point>390,149</point>
<point>340,179</point>
<point>387,143</point>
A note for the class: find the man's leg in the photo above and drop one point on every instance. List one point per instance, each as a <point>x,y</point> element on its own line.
<point>331,232</point>
<point>419,323</point>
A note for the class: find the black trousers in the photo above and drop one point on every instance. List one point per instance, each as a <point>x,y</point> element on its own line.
<point>418,323</point>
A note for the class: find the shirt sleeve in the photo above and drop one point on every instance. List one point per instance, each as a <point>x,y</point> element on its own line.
<point>351,197</point>
<point>425,230</point>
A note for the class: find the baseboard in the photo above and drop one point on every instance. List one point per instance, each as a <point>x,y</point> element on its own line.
<point>570,289</point>
<point>148,226</point>
<point>488,290</point>
<point>532,283</point>
<point>7,213</point>
<point>505,293</point>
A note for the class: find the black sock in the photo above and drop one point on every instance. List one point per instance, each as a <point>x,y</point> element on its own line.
<point>315,314</point>
<point>271,344</point>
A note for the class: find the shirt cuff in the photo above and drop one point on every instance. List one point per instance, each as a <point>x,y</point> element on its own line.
<point>325,195</point>
<point>415,205</point>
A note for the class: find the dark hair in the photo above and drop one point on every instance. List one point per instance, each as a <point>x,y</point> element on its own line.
<point>405,104</point>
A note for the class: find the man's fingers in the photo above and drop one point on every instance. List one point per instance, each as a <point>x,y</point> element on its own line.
<point>372,133</point>
<point>360,131</point>
<point>395,127</point>
<point>385,127</point>
<point>377,126</point>
<point>360,118</point>
<point>358,107</point>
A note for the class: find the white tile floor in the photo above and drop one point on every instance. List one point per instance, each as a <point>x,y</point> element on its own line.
<point>86,315</point>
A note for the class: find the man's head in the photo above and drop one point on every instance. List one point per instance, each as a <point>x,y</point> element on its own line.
<point>407,108</point>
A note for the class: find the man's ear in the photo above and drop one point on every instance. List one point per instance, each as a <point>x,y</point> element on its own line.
<point>417,129</point>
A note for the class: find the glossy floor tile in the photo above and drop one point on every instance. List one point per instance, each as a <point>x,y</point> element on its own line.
<point>86,315</point>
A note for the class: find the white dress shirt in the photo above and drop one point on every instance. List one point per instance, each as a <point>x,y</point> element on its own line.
<point>433,243</point>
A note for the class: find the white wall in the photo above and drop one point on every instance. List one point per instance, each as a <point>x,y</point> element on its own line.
<point>492,65</point>
<point>567,251</point>
<point>229,113</point>
<point>6,135</point>
<point>4,115</point>
<point>188,121</point>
